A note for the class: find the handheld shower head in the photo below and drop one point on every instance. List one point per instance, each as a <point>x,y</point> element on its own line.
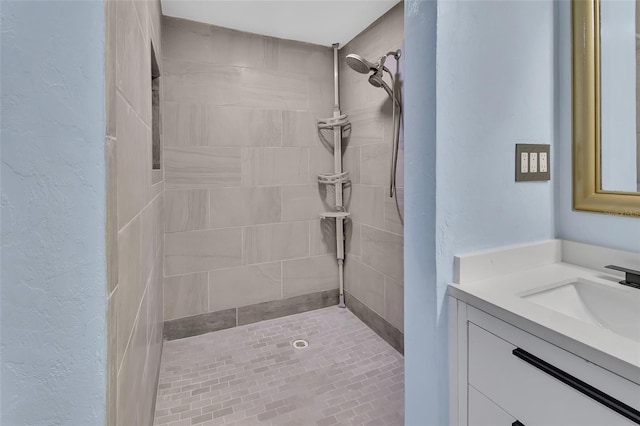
<point>361,65</point>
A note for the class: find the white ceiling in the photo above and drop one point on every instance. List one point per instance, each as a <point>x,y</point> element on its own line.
<point>321,22</point>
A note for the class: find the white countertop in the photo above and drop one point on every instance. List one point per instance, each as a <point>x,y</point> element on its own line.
<point>500,296</point>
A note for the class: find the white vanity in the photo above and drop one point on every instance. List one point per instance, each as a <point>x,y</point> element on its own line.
<point>542,335</point>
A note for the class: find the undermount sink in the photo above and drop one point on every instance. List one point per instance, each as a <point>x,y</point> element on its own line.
<point>615,309</point>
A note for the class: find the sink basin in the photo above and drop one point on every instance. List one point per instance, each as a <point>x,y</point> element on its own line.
<point>615,309</point>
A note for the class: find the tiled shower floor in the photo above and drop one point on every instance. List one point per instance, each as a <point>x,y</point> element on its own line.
<point>251,375</point>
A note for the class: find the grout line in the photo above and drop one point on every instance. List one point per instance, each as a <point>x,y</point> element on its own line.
<point>253,264</point>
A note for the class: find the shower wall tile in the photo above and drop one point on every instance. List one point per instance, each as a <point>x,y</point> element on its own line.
<point>235,287</point>
<point>367,126</point>
<point>353,238</point>
<point>130,409</point>
<point>186,40</point>
<point>299,128</point>
<point>186,209</point>
<point>309,59</point>
<point>191,124</point>
<point>323,236</point>
<point>368,205</point>
<point>320,161</point>
<point>242,155</point>
<point>244,206</point>
<point>305,202</point>
<point>239,86</point>
<point>130,286</point>
<point>309,275</point>
<point>131,57</point>
<point>274,166</point>
<point>394,303</point>
<point>133,162</point>
<point>196,251</point>
<point>383,251</point>
<point>198,167</point>
<point>267,243</point>
<point>136,295</point>
<point>148,243</point>
<point>351,163</point>
<point>374,164</point>
<point>366,284</point>
<point>321,93</point>
<point>394,211</point>
<point>186,295</point>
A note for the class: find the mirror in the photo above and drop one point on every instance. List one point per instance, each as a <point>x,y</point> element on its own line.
<point>606,106</point>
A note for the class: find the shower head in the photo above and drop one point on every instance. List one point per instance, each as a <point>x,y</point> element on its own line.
<point>361,65</point>
<point>376,80</point>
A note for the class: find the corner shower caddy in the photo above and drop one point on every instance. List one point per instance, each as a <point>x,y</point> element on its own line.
<point>339,177</point>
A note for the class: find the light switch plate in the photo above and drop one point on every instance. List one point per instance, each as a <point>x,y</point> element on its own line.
<point>539,162</point>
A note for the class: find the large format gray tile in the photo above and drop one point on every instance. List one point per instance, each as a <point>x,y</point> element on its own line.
<point>299,128</point>
<point>244,206</point>
<point>201,167</point>
<point>375,164</point>
<point>186,40</point>
<point>394,303</point>
<point>368,205</point>
<point>228,85</point>
<point>133,162</point>
<point>309,275</point>
<point>186,210</point>
<point>130,287</point>
<point>366,284</point>
<point>267,243</point>
<point>132,56</point>
<point>185,295</point>
<point>323,236</point>
<point>190,124</point>
<point>280,308</point>
<point>275,166</point>
<point>247,285</point>
<point>383,251</point>
<point>251,375</point>
<point>394,212</point>
<point>196,251</point>
<point>305,202</point>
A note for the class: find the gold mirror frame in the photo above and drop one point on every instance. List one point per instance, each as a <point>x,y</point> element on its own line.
<point>588,194</point>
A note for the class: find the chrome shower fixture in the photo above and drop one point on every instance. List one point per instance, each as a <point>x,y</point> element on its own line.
<point>376,79</point>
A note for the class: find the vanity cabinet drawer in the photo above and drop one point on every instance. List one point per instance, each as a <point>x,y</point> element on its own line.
<point>483,412</point>
<point>526,391</point>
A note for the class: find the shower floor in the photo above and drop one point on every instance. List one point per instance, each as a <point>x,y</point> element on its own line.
<point>252,375</point>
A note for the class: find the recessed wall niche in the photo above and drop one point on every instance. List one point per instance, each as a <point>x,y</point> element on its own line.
<point>156,146</point>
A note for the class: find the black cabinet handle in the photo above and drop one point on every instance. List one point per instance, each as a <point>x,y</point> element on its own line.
<point>516,423</point>
<point>588,390</point>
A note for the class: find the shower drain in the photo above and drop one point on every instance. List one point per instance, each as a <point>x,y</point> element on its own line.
<point>300,344</point>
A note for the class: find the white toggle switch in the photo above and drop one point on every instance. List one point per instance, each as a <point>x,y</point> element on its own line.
<point>524,162</point>
<point>543,162</point>
<point>533,162</point>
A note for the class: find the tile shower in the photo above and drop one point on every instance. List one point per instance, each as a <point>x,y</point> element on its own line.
<point>237,206</point>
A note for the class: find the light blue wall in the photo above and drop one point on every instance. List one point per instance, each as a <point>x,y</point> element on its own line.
<point>605,230</point>
<point>53,299</point>
<point>420,304</point>
<point>494,74</point>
